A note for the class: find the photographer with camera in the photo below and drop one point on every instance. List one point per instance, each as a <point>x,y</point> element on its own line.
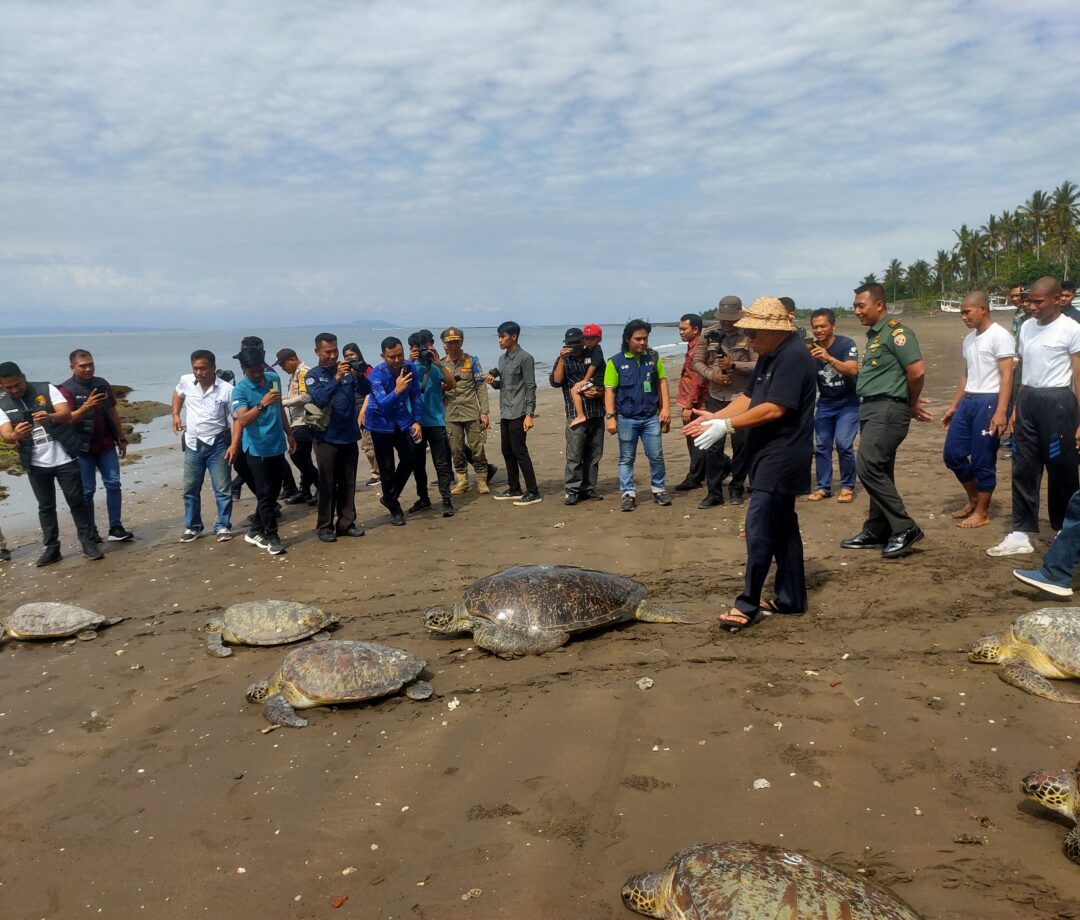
<point>585,442</point>
<point>433,383</point>
<point>724,357</point>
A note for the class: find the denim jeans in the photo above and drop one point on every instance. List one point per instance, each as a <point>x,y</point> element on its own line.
<point>648,431</point>
<point>109,465</point>
<point>1060,562</point>
<point>207,457</point>
<point>835,423</point>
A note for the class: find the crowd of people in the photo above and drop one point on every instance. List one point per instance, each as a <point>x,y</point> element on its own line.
<point>763,405</point>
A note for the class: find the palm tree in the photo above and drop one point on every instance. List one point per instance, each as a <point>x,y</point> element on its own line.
<point>894,274</point>
<point>1063,218</point>
<point>918,276</point>
<point>1035,211</point>
<point>943,270</point>
<point>869,279</point>
<point>969,248</point>
<point>993,233</point>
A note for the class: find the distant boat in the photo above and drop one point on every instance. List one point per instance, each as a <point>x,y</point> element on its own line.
<point>997,302</point>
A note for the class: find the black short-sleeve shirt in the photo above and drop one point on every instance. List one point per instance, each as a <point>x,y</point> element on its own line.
<point>780,451</point>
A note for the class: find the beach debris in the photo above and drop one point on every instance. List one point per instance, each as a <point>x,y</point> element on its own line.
<point>762,783</point>
<point>240,870</point>
<point>472,893</point>
<point>453,704</point>
<point>49,620</point>
<point>644,683</point>
<point>918,811</point>
<point>969,839</point>
<point>348,870</point>
<point>338,901</point>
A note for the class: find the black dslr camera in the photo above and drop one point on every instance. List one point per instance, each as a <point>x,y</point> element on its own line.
<point>424,343</point>
<point>714,336</point>
<point>358,366</point>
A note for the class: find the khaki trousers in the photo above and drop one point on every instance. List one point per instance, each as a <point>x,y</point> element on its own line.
<point>467,439</point>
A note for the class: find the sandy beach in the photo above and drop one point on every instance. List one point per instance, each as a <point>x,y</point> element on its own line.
<point>138,781</point>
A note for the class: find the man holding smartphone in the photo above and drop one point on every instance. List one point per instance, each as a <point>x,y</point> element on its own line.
<point>36,418</point>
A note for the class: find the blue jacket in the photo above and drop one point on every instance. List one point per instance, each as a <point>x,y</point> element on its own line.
<point>326,391</point>
<point>387,409</point>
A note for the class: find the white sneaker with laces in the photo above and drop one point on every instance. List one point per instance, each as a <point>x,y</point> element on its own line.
<point>1014,544</point>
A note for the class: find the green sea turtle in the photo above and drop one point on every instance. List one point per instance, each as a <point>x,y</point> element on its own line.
<point>266,623</point>
<point>1059,792</point>
<point>342,671</point>
<point>733,881</point>
<point>50,620</point>
<point>1038,645</point>
<point>532,609</point>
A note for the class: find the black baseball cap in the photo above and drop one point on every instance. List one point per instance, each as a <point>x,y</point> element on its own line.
<point>574,336</point>
<point>283,355</point>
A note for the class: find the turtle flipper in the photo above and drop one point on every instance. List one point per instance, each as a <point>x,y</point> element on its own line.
<point>419,690</point>
<point>1072,844</point>
<point>321,636</point>
<point>1021,674</point>
<point>648,612</point>
<point>86,635</point>
<point>215,646</point>
<point>278,712</point>
<point>513,643</point>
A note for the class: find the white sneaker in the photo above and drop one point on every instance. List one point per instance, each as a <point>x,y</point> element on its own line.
<point>1014,544</point>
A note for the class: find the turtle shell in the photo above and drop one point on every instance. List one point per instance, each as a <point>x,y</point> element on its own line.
<point>554,597</point>
<point>50,620</point>
<point>342,671</point>
<point>729,880</point>
<point>274,622</point>
<point>1055,631</point>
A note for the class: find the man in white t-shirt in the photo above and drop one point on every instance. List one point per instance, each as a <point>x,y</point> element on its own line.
<point>1045,419</point>
<point>978,415</point>
<point>35,417</point>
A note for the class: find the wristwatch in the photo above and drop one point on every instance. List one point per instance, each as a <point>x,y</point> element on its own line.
<point>609,415</point>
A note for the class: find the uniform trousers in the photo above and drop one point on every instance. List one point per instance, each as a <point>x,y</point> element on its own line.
<point>883,425</point>
<point>337,485</point>
<point>772,534</point>
<point>1044,431</point>
<point>467,439</point>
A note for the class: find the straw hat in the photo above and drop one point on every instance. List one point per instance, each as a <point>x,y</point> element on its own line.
<point>766,313</point>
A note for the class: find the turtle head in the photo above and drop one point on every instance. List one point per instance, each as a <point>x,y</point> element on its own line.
<point>256,693</point>
<point>443,619</point>
<point>215,625</point>
<point>987,650</point>
<point>1056,791</point>
<point>645,894</point>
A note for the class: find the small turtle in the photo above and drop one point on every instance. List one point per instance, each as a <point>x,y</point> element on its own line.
<point>1038,645</point>
<point>50,620</point>
<point>266,623</point>
<point>332,672</point>
<point>532,609</point>
<point>1059,792</point>
<point>731,881</point>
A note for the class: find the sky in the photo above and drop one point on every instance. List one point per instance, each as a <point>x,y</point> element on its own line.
<point>223,163</point>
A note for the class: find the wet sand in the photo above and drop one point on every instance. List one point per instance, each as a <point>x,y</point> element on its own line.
<point>138,782</point>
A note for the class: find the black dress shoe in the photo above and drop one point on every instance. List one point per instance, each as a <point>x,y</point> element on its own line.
<point>686,485</point>
<point>421,504</point>
<point>352,531</point>
<point>91,550</point>
<point>710,501</point>
<point>900,544</point>
<point>448,509</point>
<point>571,498</point>
<point>862,540</point>
<point>297,498</point>
<point>736,497</point>
<point>397,519</point>
<point>51,555</point>
<point>327,537</point>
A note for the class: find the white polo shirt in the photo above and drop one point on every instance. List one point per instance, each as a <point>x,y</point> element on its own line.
<point>1047,352</point>
<point>982,351</point>
<point>44,450</point>
<point>208,413</point>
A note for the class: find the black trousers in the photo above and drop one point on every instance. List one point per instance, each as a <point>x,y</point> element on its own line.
<point>516,455</point>
<point>305,442</point>
<point>696,474</point>
<point>717,464</point>
<point>883,425</point>
<point>337,485</point>
<point>1044,438</point>
<point>244,476</point>
<point>772,533</point>
<point>43,480</point>
<point>394,476</point>
<point>584,448</point>
<point>267,472</point>
<point>434,436</point>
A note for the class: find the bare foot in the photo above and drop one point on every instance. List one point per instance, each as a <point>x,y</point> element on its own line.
<point>974,520</point>
<point>577,422</point>
<point>966,511</point>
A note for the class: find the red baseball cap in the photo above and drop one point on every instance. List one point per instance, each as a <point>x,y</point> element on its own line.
<point>593,330</point>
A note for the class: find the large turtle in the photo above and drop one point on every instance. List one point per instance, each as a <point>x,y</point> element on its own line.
<point>1038,645</point>
<point>50,620</point>
<point>733,881</point>
<point>341,671</point>
<point>1059,792</point>
<point>532,609</point>
<point>266,623</point>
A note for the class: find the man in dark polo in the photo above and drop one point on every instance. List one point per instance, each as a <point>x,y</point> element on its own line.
<point>889,386</point>
<point>777,414</point>
<point>584,444</point>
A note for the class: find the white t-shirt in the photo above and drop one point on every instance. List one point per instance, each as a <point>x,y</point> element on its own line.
<point>208,413</point>
<point>982,351</point>
<point>45,452</point>
<point>1047,352</point>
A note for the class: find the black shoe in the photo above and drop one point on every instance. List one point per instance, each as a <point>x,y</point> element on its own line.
<point>711,501</point>
<point>507,495</point>
<point>95,536</point>
<point>736,496</point>
<point>313,501</point>
<point>352,531</point>
<point>530,498</point>
<point>595,497</point>
<point>236,492</point>
<point>900,544</point>
<point>421,504</point>
<point>447,508</point>
<point>117,534</point>
<point>661,498</point>
<point>492,470</point>
<point>51,555</point>
<point>628,503</point>
<point>5,555</point>
<point>397,518</point>
<point>327,537</point>
<point>297,498</point>
<point>686,485</point>
<point>571,498</point>
<point>862,540</point>
<point>275,547</point>
<point>91,551</point>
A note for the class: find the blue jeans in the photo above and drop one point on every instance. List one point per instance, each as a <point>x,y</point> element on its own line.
<point>648,431</point>
<point>207,457</point>
<point>970,450</point>
<point>835,423</point>
<point>1063,557</point>
<point>109,465</point>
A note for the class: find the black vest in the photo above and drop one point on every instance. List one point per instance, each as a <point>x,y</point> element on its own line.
<point>22,409</point>
<point>80,391</point>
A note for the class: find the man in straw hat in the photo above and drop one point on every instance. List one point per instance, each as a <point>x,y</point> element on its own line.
<point>777,414</point>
